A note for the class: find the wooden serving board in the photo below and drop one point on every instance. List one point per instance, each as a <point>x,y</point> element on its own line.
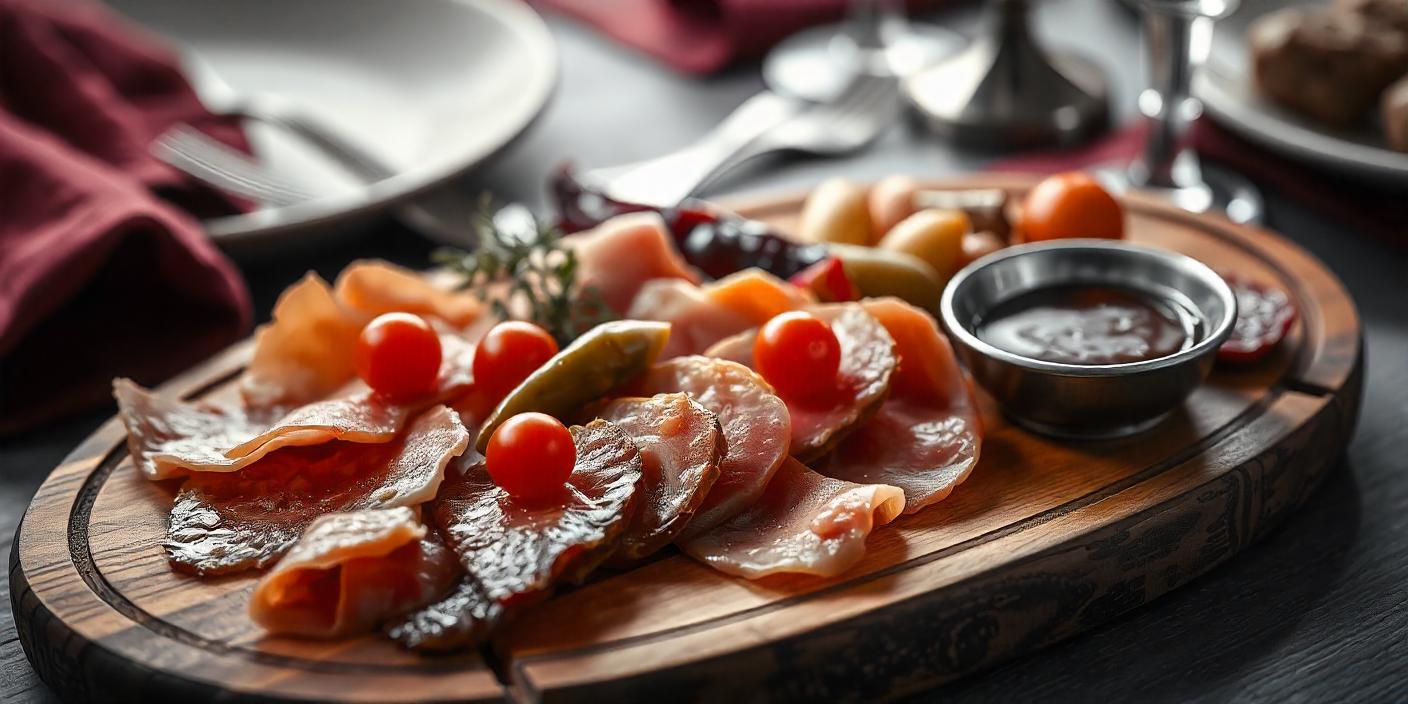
<point>1047,538</point>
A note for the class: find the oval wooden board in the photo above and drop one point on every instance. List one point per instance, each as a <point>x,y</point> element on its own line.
<point>1045,539</point>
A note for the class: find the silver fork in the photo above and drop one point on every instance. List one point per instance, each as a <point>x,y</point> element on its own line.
<point>868,105</point>
<point>225,169</point>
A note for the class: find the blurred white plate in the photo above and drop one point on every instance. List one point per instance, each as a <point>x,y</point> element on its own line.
<point>1225,87</point>
<point>433,87</point>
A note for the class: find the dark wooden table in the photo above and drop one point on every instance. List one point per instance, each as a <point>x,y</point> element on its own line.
<point>1317,612</point>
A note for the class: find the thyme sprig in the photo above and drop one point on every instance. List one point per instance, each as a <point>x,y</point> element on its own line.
<point>522,270</point>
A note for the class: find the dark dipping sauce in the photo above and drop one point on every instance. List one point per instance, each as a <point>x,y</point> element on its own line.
<point>1090,324</point>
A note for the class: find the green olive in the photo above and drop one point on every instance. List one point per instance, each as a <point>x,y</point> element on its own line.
<point>608,356</point>
<point>835,211</point>
<point>881,272</point>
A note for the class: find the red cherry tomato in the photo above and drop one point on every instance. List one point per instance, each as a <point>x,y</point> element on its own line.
<point>1264,315</point>
<point>828,280</point>
<point>1070,205</point>
<point>798,354</point>
<point>398,355</point>
<point>508,354</point>
<point>531,456</point>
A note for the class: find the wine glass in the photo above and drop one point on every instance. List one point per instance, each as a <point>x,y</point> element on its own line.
<point>817,64</point>
<point>1177,37</point>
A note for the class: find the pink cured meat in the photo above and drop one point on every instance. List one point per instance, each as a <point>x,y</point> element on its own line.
<point>618,256</point>
<point>927,436</point>
<point>696,320</point>
<point>755,424</point>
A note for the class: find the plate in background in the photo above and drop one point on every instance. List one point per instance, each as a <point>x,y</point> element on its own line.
<point>1225,87</point>
<point>433,87</point>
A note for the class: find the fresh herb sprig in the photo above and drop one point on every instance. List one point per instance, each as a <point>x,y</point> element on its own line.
<point>522,270</point>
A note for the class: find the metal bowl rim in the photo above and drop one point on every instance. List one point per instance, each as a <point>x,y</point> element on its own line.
<point>1208,344</point>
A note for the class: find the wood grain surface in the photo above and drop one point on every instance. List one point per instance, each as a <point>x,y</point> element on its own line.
<point>1044,541</point>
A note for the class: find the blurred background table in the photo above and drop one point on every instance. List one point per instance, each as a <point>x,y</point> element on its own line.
<point>1317,612</point>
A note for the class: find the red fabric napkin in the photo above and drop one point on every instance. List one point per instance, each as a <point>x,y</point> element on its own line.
<point>103,269</point>
<point>701,36</point>
<point>1377,211</point>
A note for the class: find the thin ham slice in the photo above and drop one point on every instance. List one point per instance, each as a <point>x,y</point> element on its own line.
<point>681,445</point>
<point>755,423</point>
<point>618,256</point>
<point>696,320</point>
<point>805,523</point>
<point>170,438</point>
<point>229,522</point>
<point>927,436</point>
<point>350,572</point>
<point>863,379</point>
<point>305,353</point>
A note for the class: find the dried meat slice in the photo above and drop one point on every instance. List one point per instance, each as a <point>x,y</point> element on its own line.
<point>805,523</point>
<point>618,256</point>
<point>230,522</point>
<point>170,438</point>
<point>868,361</point>
<point>305,353</point>
<point>376,287</point>
<point>927,435</point>
<point>350,572</point>
<point>466,617</point>
<point>681,445</point>
<point>696,320</point>
<point>755,423</point>
<point>517,552</point>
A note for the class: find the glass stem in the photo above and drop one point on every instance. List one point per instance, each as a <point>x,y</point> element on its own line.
<point>1167,105</point>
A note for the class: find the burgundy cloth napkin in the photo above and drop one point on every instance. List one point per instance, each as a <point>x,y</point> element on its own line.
<point>1374,210</point>
<point>701,36</point>
<point>104,271</point>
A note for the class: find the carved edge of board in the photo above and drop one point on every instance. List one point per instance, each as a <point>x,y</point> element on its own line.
<point>1075,574</point>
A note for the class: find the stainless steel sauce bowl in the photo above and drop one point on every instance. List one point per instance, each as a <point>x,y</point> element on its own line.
<point>1087,401</point>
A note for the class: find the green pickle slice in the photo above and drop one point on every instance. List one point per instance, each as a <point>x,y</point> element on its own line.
<point>607,357</point>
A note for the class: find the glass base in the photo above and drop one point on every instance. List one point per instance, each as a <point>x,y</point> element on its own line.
<point>816,64</point>
<point>1217,191</point>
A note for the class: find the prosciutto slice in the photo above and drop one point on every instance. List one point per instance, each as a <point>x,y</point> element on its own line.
<point>305,353</point>
<point>863,379</point>
<point>805,523</point>
<point>681,445</point>
<point>755,424</point>
<point>927,435</point>
<point>696,320</point>
<point>618,256</point>
<point>169,438</point>
<point>350,572</point>
<point>230,522</point>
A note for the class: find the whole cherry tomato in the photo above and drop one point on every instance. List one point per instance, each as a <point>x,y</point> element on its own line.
<point>1070,205</point>
<point>398,355</point>
<point>531,456</point>
<point>508,354</point>
<point>798,354</point>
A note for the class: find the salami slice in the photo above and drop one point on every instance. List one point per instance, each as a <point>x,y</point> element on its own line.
<point>350,572</point>
<point>863,380</point>
<point>681,445</point>
<point>805,523</point>
<point>927,436</point>
<point>230,522</point>
<point>755,424</point>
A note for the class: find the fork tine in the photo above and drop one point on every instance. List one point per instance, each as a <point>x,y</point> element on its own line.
<point>222,167</point>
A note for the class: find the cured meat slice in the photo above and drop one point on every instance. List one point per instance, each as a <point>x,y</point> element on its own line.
<point>518,551</point>
<point>463,618</point>
<point>755,423</point>
<point>223,523</point>
<point>696,320</point>
<point>350,572</point>
<point>757,295</point>
<point>169,438</point>
<point>867,362</point>
<point>618,256</point>
<point>681,445</point>
<point>305,353</point>
<point>375,287</point>
<point>804,523</point>
<point>927,436</point>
